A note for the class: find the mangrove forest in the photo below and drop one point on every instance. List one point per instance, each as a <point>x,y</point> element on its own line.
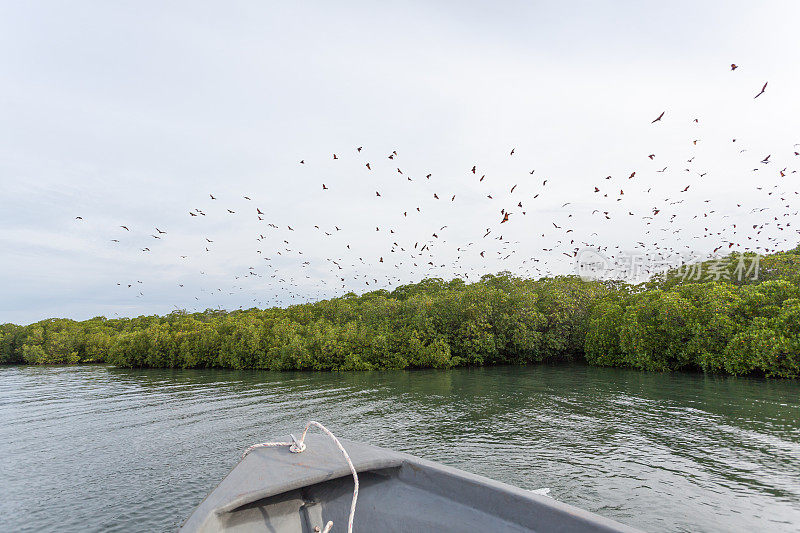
<point>728,325</point>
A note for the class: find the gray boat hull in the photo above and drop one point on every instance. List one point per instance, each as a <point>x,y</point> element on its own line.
<point>275,490</point>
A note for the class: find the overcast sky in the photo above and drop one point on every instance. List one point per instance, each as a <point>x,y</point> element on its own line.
<point>132,113</point>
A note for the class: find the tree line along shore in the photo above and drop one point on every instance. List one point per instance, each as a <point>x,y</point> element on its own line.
<point>731,324</point>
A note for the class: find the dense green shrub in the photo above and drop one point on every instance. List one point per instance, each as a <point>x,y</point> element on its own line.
<point>670,323</point>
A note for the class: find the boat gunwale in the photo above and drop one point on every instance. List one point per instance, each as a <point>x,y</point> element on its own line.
<point>368,458</point>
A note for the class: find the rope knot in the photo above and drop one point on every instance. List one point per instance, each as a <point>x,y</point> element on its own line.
<point>297,446</point>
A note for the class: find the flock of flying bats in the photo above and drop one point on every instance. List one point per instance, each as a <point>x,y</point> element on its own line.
<point>288,264</point>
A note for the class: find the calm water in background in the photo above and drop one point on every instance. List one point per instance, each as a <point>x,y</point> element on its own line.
<point>104,449</point>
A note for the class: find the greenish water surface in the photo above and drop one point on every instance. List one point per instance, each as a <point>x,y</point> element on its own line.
<point>96,448</point>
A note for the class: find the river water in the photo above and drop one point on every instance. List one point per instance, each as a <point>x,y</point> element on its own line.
<point>96,448</point>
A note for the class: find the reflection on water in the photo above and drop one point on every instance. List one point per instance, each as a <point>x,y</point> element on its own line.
<point>105,449</point>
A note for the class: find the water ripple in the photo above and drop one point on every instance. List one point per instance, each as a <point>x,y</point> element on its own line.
<point>103,449</point>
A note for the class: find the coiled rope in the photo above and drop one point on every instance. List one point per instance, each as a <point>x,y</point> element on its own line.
<point>298,446</point>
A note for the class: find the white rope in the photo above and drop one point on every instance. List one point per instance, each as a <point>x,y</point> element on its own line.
<point>297,446</point>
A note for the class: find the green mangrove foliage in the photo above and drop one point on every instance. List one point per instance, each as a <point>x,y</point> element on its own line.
<point>728,325</point>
